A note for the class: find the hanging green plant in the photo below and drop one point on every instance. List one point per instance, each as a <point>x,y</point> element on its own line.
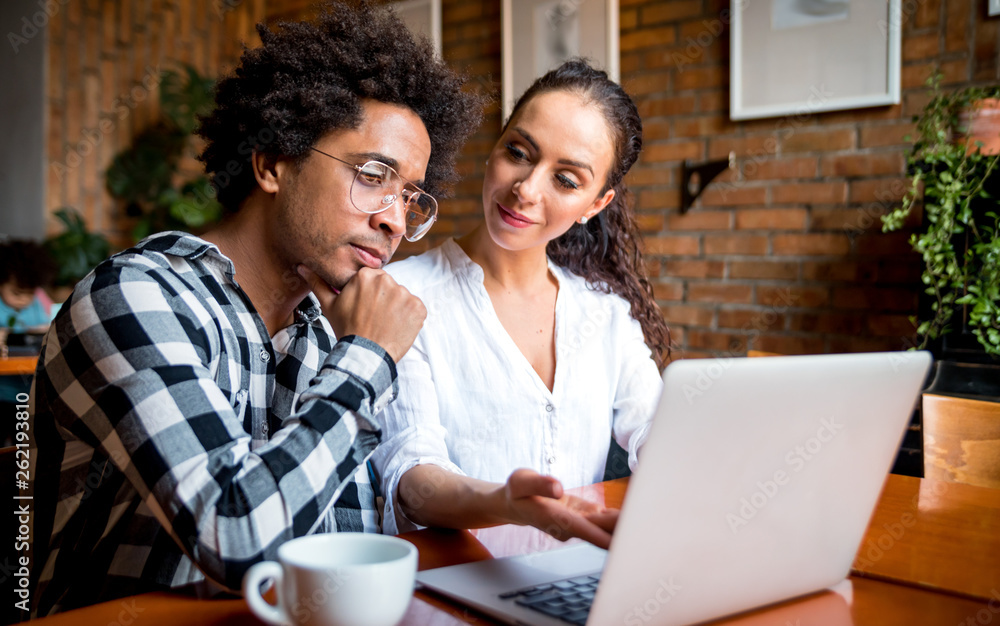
<point>76,250</point>
<point>951,178</point>
<point>144,176</point>
<point>184,98</point>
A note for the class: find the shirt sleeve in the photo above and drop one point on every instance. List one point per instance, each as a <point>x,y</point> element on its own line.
<point>638,390</point>
<point>134,377</point>
<point>413,435</point>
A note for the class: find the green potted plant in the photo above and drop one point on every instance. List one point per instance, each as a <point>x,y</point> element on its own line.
<point>953,177</point>
<point>146,177</point>
<point>75,251</point>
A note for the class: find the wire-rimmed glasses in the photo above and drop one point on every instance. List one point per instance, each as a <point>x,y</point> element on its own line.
<point>377,186</point>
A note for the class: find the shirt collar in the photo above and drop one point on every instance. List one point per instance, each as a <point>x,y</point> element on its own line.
<point>308,310</point>
<point>461,262</point>
<point>188,246</point>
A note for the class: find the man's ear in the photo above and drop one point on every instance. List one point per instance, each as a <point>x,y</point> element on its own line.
<point>265,170</point>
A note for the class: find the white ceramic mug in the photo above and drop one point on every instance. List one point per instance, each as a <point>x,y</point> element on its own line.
<point>336,579</point>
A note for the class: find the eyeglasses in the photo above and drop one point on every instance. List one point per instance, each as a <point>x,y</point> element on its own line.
<point>376,187</point>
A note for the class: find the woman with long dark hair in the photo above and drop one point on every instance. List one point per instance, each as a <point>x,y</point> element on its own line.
<point>542,340</point>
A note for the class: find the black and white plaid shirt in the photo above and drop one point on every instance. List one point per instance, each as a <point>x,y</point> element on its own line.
<point>175,444</point>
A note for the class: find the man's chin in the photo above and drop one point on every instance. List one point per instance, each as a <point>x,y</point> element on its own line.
<point>335,280</point>
<point>338,285</point>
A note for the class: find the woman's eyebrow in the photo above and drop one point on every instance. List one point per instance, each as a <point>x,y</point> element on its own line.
<point>527,137</point>
<point>534,144</point>
<point>579,164</point>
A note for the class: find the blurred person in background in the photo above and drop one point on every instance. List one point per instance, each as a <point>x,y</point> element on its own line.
<point>25,270</point>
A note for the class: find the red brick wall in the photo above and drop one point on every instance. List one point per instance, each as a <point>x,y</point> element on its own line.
<point>787,255</point>
<point>104,63</point>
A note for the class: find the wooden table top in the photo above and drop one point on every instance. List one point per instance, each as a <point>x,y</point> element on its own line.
<point>943,567</point>
<point>935,534</point>
<point>875,603</point>
<point>15,365</point>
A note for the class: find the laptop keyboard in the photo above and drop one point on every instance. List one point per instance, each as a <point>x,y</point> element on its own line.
<point>568,600</point>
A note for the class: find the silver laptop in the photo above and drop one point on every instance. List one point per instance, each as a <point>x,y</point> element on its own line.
<point>756,485</point>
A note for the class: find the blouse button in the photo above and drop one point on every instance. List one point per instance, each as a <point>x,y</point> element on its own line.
<point>551,459</point>
<point>264,356</point>
<point>549,408</point>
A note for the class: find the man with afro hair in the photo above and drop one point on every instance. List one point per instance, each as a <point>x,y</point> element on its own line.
<point>201,400</point>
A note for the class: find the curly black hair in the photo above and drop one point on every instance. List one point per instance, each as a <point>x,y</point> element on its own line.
<point>27,263</point>
<point>605,250</point>
<point>309,78</point>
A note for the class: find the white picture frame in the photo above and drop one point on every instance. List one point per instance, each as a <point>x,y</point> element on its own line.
<point>994,7</point>
<point>796,57</point>
<point>538,35</point>
<point>422,17</point>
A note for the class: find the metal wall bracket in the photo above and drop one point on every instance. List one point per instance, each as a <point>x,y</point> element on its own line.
<point>694,178</point>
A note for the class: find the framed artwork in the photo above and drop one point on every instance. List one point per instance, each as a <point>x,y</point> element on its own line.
<point>795,57</point>
<point>423,17</point>
<point>538,35</point>
<point>994,7</point>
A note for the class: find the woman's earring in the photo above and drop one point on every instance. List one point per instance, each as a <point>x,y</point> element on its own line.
<point>583,220</point>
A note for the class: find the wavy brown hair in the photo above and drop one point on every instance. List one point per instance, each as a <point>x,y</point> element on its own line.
<point>605,250</point>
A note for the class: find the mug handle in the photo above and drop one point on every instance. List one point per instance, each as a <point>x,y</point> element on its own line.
<point>270,613</point>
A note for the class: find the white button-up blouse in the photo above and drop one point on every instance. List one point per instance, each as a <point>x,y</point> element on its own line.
<point>470,402</point>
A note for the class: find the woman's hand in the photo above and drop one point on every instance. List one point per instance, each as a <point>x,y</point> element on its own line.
<point>433,496</point>
<point>536,500</point>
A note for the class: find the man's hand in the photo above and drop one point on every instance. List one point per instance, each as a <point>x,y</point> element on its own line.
<point>372,305</point>
<point>539,501</point>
